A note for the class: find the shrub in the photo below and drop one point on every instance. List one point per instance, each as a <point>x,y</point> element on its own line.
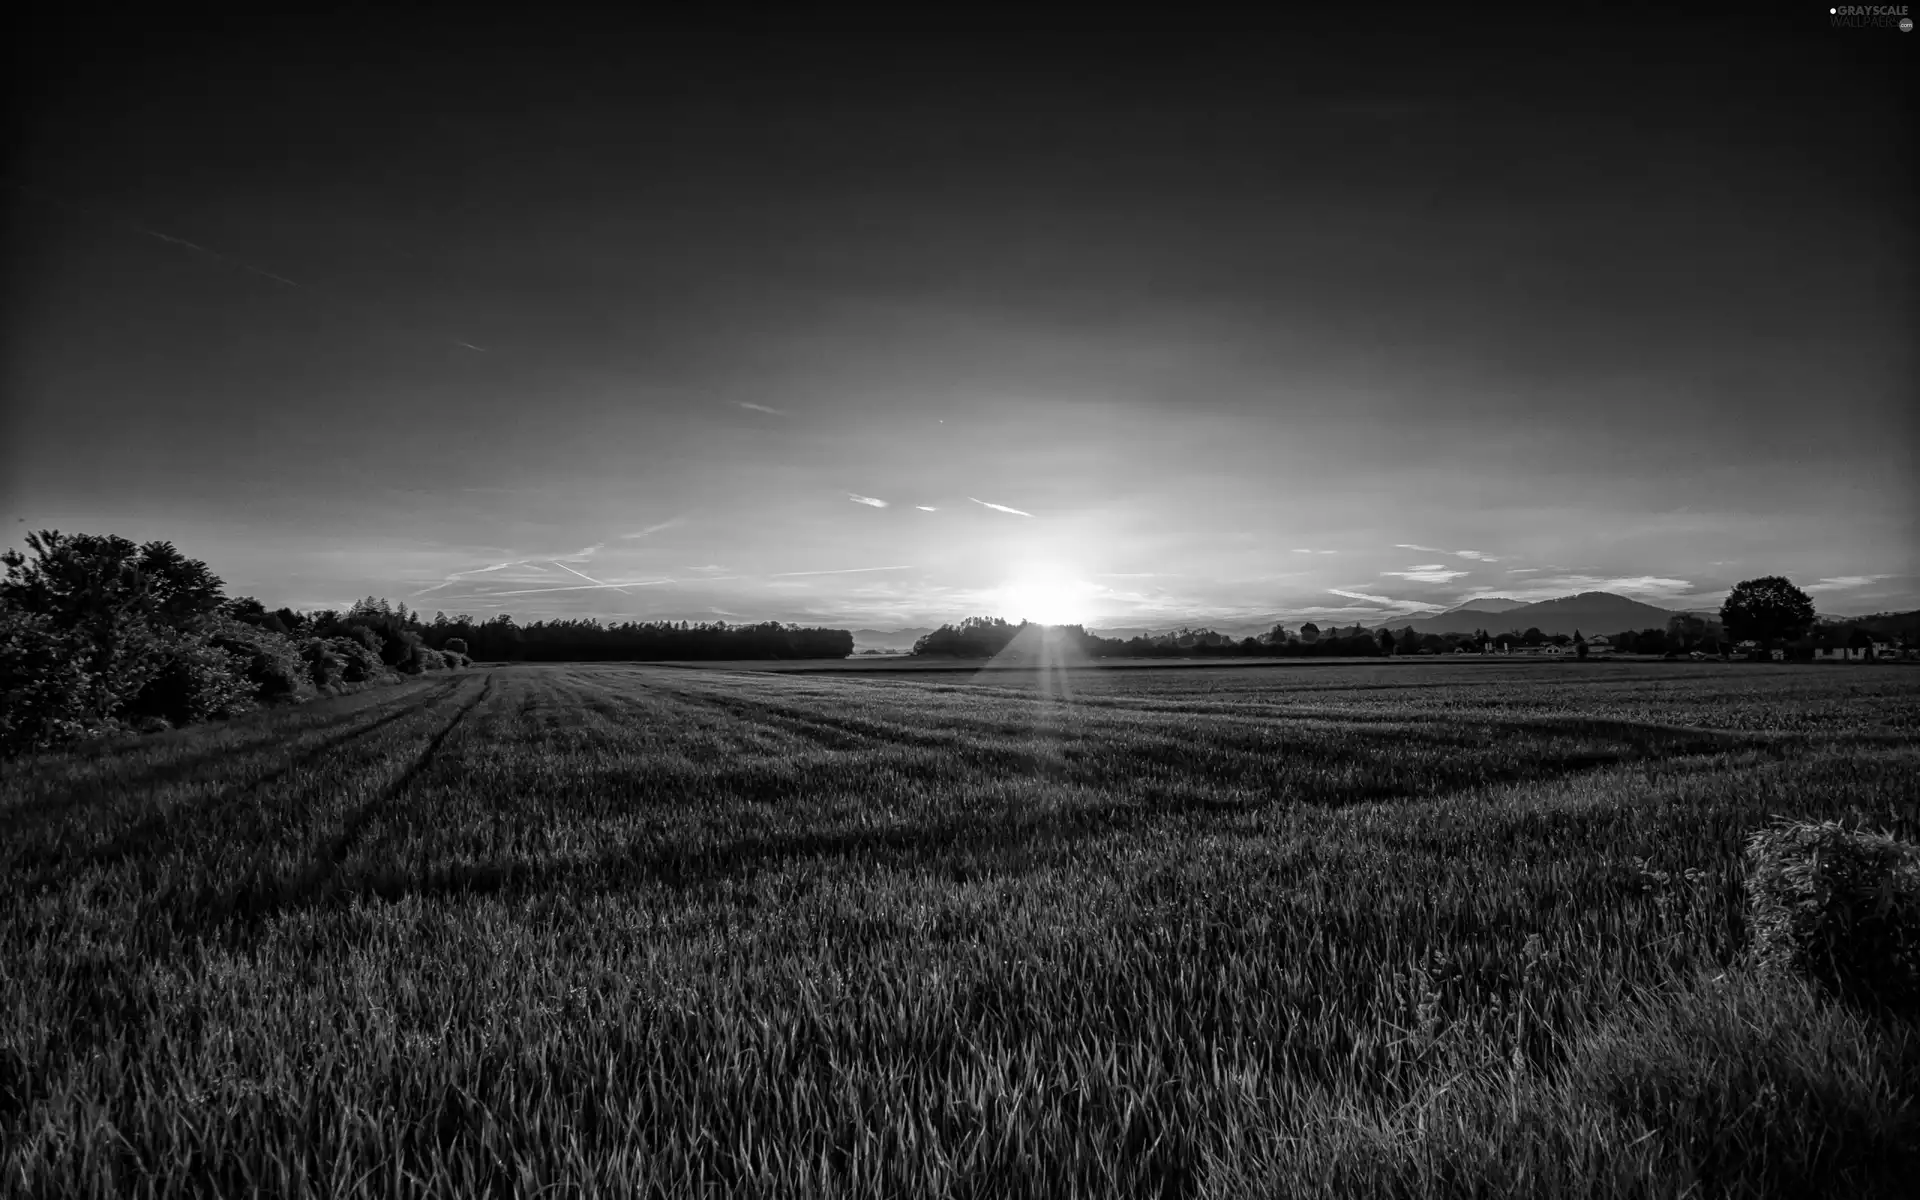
<point>197,681</point>
<point>455,645</point>
<point>432,660</point>
<point>1839,905</point>
<point>455,658</point>
<point>359,661</point>
<point>46,694</point>
<point>405,652</point>
<point>271,662</point>
<point>325,665</point>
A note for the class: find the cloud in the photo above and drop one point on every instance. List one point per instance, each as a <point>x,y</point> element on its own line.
<point>1299,550</point>
<point>577,555</point>
<point>842,571</point>
<point>1643,583</point>
<point>707,567</point>
<point>469,345</point>
<point>926,508</point>
<point>1362,596</point>
<point>669,523</point>
<point>1000,507</point>
<point>1521,570</point>
<point>1840,583</point>
<point>1428,573</point>
<point>759,408</point>
<point>1476,555</point>
<point>1422,549</point>
<point>869,501</point>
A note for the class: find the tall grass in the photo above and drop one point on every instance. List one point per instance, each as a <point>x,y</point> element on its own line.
<point>610,930</point>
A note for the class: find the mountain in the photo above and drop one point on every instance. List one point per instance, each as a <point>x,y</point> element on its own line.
<point>1491,604</point>
<point>1588,612</point>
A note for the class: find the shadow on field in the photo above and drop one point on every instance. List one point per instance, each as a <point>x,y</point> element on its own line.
<point>105,783</point>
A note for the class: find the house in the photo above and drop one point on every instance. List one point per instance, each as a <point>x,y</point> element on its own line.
<point>1599,643</point>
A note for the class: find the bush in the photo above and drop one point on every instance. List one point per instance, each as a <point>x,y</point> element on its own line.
<point>46,694</point>
<point>325,665</point>
<point>456,659</point>
<point>359,661</point>
<point>271,662</point>
<point>197,681</point>
<point>1840,906</point>
<point>456,646</point>
<point>432,660</point>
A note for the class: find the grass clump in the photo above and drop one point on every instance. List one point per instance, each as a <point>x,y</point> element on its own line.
<point>1839,906</point>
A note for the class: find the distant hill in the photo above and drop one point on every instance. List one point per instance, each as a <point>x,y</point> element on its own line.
<point>1492,604</point>
<point>887,639</point>
<point>1588,612</point>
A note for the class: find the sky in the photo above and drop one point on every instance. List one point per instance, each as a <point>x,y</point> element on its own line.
<point>556,317</point>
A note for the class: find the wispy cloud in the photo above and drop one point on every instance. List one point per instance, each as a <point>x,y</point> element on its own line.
<point>759,408</point>
<point>1303,550</point>
<point>650,530</point>
<point>578,555</point>
<point>1476,555</point>
<point>1362,596</point>
<point>1521,570</point>
<point>1422,549</point>
<point>842,571</point>
<point>869,501</point>
<point>1840,583</point>
<point>926,508</point>
<point>1428,573</point>
<point>999,507</point>
<point>470,346</point>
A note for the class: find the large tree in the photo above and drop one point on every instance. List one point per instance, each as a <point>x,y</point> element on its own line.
<point>1768,610</point>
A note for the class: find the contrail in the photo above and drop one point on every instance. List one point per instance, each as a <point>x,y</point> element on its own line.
<point>229,259</point>
<point>585,576</point>
<point>141,227</point>
<point>842,571</point>
<point>1000,507</point>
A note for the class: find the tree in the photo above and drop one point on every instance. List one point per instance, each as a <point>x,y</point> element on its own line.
<point>1579,644</point>
<point>1309,632</point>
<point>1767,610</point>
<point>1685,631</point>
<point>1386,641</point>
<point>1409,641</point>
<point>82,579</point>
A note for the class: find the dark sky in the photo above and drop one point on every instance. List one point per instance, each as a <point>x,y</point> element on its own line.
<point>556,315</point>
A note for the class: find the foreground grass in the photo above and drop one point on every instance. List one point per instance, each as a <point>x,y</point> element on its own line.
<point>626,931</point>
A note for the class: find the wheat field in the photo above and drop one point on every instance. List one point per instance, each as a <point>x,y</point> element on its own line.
<point>638,930</point>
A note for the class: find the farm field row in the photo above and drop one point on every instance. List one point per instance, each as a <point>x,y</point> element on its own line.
<point>618,929</point>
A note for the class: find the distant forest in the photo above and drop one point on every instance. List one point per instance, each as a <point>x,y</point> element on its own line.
<point>499,639</point>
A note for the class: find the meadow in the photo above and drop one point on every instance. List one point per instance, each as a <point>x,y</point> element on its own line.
<point>604,929</point>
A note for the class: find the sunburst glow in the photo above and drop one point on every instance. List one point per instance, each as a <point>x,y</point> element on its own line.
<point>1048,597</point>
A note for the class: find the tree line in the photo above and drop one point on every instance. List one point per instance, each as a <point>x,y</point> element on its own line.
<point>101,636</point>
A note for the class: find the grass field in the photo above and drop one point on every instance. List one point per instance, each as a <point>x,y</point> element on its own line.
<point>625,930</point>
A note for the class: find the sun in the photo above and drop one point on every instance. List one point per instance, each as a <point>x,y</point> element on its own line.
<point>1049,598</point>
